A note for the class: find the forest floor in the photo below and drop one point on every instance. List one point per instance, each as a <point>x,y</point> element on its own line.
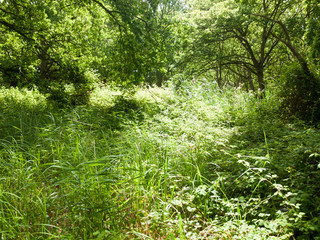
<point>162,163</point>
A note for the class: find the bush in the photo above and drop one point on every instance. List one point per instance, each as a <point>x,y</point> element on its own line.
<point>299,94</point>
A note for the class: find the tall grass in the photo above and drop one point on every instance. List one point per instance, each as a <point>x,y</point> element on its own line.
<point>192,163</point>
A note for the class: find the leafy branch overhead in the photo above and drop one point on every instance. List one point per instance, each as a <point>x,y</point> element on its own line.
<point>64,42</point>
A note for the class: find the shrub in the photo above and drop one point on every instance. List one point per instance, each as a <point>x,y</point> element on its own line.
<point>299,94</point>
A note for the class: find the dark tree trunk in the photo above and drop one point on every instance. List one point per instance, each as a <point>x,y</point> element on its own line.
<point>251,82</point>
<point>261,83</point>
<point>219,77</point>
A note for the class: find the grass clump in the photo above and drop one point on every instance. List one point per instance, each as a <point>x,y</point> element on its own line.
<point>192,163</point>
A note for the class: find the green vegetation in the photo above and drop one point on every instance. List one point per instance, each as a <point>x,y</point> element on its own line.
<point>159,119</point>
<point>191,163</point>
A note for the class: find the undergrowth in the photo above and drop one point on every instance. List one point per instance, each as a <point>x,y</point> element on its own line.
<point>164,163</point>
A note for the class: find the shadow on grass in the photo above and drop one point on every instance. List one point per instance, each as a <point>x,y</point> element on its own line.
<point>290,153</point>
<point>26,120</point>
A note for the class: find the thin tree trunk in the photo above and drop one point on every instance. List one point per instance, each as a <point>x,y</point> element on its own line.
<point>251,82</point>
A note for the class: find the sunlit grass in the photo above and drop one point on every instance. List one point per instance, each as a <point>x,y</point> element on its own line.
<point>162,163</point>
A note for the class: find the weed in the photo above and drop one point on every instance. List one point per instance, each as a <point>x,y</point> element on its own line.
<point>192,163</point>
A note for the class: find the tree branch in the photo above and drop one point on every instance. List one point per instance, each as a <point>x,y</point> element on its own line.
<point>15,29</point>
<point>286,41</point>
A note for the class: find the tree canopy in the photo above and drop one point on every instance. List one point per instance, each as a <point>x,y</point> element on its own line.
<point>70,44</point>
<point>49,44</point>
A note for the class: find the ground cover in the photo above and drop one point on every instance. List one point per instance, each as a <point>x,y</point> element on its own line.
<point>163,163</point>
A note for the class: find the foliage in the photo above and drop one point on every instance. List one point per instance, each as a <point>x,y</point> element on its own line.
<point>54,45</point>
<point>248,43</point>
<point>229,154</point>
<point>300,94</point>
<point>312,33</point>
<point>233,39</point>
<point>192,163</point>
<point>51,53</point>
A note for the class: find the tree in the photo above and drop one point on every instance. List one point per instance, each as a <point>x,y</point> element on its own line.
<point>58,43</point>
<point>229,35</point>
<point>312,33</point>
<point>53,44</point>
<point>302,88</point>
<point>145,41</point>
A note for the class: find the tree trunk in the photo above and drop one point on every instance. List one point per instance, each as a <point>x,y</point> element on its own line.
<point>219,77</point>
<point>159,78</point>
<point>261,82</point>
<point>251,82</point>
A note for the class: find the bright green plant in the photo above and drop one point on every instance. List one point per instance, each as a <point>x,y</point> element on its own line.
<point>194,164</point>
